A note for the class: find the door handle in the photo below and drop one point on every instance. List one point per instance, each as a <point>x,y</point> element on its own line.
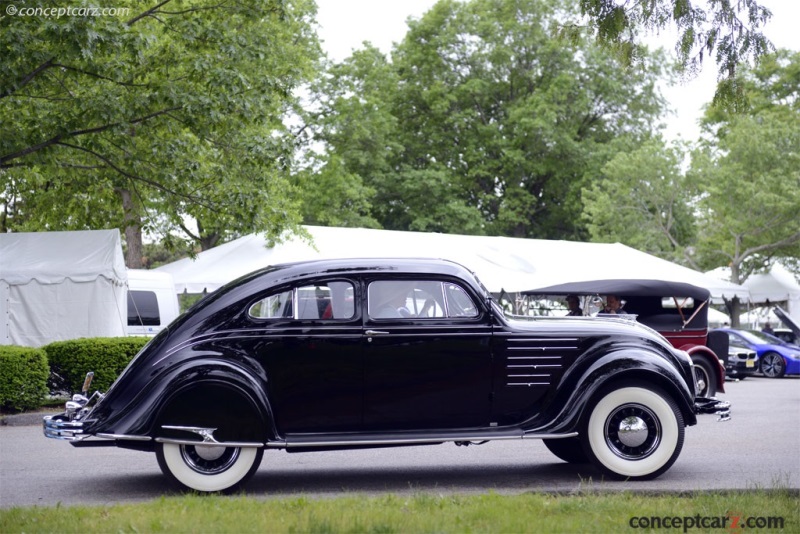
<point>375,332</point>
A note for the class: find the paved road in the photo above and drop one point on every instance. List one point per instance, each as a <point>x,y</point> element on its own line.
<point>758,448</point>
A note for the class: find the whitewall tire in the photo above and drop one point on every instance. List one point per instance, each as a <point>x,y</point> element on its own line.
<point>633,432</point>
<point>208,468</point>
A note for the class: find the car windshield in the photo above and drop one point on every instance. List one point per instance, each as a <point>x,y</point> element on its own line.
<point>754,336</point>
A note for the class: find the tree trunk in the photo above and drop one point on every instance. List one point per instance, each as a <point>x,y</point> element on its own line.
<point>133,231</point>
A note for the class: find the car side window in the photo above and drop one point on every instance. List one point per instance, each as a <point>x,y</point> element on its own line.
<point>459,304</point>
<point>278,305</point>
<point>331,300</point>
<point>425,299</point>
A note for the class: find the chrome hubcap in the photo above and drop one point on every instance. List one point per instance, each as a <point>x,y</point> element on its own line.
<point>209,460</point>
<point>632,432</point>
<point>702,380</point>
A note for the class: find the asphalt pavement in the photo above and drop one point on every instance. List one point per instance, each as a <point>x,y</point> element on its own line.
<point>757,448</point>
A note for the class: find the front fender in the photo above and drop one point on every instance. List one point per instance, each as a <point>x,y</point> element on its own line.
<point>584,380</point>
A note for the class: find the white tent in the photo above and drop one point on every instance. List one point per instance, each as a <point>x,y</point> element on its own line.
<point>779,285</point>
<point>502,263</point>
<point>61,285</point>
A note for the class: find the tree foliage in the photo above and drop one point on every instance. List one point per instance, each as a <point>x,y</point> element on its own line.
<point>483,120</point>
<point>730,32</point>
<point>169,112</point>
<point>643,199</point>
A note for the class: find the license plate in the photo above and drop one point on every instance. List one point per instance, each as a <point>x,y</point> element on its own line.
<point>750,363</point>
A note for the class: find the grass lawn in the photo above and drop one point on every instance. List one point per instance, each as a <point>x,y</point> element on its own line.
<point>732,512</point>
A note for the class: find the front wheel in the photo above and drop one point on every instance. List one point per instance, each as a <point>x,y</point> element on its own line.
<point>208,468</point>
<point>705,377</point>
<point>773,365</point>
<point>634,432</point>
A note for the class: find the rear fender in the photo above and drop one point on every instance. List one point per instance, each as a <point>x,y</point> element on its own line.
<point>203,389</point>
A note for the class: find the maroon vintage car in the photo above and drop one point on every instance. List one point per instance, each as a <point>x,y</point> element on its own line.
<point>676,310</point>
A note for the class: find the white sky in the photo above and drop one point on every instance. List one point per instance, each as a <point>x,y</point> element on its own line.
<point>346,24</point>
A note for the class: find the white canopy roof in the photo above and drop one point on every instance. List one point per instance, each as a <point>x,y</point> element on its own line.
<point>52,257</point>
<point>777,285</point>
<point>502,263</point>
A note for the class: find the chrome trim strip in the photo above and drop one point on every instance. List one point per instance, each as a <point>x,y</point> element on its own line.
<point>541,339</point>
<point>209,444</point>
<point>528,384</point>
<point>432,439</point>
<point>543,348</point>
<point>124,436</point>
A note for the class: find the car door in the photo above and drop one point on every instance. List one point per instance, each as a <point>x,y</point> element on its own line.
<point>312,356</point>
<point>427,356</point>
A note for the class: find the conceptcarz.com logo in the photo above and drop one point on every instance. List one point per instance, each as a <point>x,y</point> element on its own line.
<point>733,523</point>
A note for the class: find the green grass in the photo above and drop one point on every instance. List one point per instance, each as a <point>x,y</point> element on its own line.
<point>532,512</point>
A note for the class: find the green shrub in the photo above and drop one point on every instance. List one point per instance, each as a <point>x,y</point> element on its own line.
<point>106,356</point>
<point>23,377</point>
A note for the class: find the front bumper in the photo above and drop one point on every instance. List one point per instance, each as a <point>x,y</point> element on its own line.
<point>712,405</point>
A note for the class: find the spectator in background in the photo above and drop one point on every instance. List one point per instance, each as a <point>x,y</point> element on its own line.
<point>613,306</point>
<point>573,307</point>
<point>768,329</point>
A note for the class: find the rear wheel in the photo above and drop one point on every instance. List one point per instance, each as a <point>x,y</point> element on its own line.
<point>568,449</point>
<point>633,432</point>
<point>208,468</point>
<point>773,365</point>
<point>705,377</point>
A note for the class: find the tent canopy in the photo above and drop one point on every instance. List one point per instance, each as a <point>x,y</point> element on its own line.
<point>61,285</point>
<point>502,263</point>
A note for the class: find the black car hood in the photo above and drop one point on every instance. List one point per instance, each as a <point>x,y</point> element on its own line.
<point>788,321</point>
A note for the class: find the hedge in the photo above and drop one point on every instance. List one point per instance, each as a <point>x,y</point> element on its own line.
<point>106,356</point>
<point>23,378</point>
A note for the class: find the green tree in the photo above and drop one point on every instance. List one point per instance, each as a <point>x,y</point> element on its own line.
<point>171,110</point>
<point>750,209</point>
<point>643,199</point>
<point>484,121</point>
<point>728,31</point>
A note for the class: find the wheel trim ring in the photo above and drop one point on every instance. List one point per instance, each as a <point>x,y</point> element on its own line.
<point>616,443</point>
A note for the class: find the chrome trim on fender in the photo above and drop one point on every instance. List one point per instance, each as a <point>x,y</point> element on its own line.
<point>209,443</point>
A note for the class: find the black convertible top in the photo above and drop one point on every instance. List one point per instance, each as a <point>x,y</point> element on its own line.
<point>625,288</point>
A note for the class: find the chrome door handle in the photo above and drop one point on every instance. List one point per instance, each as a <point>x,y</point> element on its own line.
<point>375,332</point>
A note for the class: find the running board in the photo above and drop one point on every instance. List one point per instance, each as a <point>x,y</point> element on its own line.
<point>301,441</point>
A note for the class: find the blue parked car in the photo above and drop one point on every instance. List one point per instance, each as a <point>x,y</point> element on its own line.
<point>776,357</point>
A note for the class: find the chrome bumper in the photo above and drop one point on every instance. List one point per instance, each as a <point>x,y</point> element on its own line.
<point>59,427</point>
<point>712,405</point>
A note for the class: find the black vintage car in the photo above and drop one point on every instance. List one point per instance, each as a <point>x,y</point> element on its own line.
<point>347,354</point>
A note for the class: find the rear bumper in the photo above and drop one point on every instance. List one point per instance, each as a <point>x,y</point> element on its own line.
<point>59,427</point>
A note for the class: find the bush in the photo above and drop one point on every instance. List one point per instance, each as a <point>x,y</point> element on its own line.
<point>23,378</point>
<point>106,356</point>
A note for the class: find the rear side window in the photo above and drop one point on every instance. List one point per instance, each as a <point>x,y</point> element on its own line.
<point>143,309</point>
<point>324,301</point>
